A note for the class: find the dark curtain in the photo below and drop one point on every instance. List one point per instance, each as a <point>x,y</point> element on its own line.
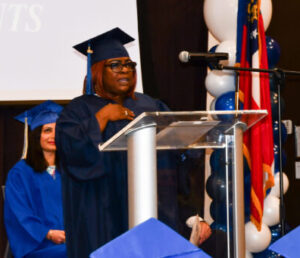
<point>284,29</point>
<point>165,29</point>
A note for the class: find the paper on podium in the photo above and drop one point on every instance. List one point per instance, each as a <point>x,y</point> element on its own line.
<point>288,245</point>
<point>151,238</point>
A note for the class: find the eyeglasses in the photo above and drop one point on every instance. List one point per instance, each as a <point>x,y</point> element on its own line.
<point>118,67</point>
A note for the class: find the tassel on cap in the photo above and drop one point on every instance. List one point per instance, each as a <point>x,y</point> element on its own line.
<point>89,83</point>
<point>25,145</point>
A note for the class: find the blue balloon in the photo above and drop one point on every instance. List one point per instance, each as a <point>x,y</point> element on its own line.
<point>212,50</point>
<point>273,51</point>
<point>276,158</point>
<point>219,226</point>
<point>218,195</point>
<point>217,160</point>
<point>216,187</point>
<point>216,135</point>
<point>247,196</point>
<point>275,232</point>
<point>274,105</point>
<point>226,102</point>
<point>218,211</point>
<point>276,132</point>
<point>274,83</point>
<point>247,189</point>
<point>247,171</point>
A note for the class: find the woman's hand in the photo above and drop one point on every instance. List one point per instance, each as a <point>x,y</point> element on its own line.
<point>113,112</point>
<point>56,236</point>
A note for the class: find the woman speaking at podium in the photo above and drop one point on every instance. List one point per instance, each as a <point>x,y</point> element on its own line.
<point>95,183</point>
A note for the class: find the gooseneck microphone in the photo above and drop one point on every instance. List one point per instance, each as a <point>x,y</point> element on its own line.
<point>185,56</point>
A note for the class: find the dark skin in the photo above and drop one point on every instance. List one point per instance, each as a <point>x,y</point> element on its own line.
<point>117,86</point>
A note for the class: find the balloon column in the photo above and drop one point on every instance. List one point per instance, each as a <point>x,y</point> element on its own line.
<point>221,19</point>
<point>216,189</point>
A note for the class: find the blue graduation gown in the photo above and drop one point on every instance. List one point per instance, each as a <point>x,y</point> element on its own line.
<point>95,183</point>
<point>32,206</point>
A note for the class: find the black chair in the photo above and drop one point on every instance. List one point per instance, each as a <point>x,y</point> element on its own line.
<point>7,252</point>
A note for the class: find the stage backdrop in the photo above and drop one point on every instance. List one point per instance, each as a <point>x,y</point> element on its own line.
<point>37,61</point>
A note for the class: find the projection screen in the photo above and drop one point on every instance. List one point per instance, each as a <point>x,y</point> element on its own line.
<point>37,61</point>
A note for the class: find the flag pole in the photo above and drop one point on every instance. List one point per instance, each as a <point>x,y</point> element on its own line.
<point>237,89</point>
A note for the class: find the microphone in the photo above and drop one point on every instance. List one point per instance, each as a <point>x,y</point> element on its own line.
<point>185,56</point>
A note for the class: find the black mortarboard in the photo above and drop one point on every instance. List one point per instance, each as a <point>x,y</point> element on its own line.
<point>104,46</point>
<point>107,45</point>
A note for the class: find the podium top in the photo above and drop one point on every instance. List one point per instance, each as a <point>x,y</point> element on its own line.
<point>186,129</point>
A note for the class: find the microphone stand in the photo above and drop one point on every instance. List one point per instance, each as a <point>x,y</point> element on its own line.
<point>280,75</point>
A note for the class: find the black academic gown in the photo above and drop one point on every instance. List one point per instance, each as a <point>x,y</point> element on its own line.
<point>95,183</point>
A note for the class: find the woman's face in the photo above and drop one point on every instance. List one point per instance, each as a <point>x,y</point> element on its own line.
<point>47,139</point>
<point>118,83</point>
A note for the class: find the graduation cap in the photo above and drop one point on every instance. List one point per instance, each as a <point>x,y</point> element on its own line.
<point>45,113</point>
<point>151,238</point>
<point>288,245</point>
<point>104,46</point>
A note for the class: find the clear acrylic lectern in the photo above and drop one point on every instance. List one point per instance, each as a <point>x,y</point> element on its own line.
<point>153,131</point>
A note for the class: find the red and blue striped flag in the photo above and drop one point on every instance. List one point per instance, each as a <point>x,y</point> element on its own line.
<point>254,93</point>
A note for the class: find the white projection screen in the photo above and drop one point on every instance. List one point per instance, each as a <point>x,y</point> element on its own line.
<point>37,61</point>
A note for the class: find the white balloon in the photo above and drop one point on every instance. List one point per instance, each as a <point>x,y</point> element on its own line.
<point>248,254</point>
<point>212,105</point>
<point>218,82</point>
<point>271,214</point>
<point>221,17</point>
<point>257,241</point>
<point>212,108</point>
<point>266,10</point>
<point>275,190</point>
<point>227,46</point>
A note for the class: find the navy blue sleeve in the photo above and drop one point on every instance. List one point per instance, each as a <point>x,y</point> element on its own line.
<point>77,138</point>
<point>162,106</point>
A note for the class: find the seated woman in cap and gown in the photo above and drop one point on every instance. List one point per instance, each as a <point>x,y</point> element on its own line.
<point>94,183</point>
<point>33,215</point>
